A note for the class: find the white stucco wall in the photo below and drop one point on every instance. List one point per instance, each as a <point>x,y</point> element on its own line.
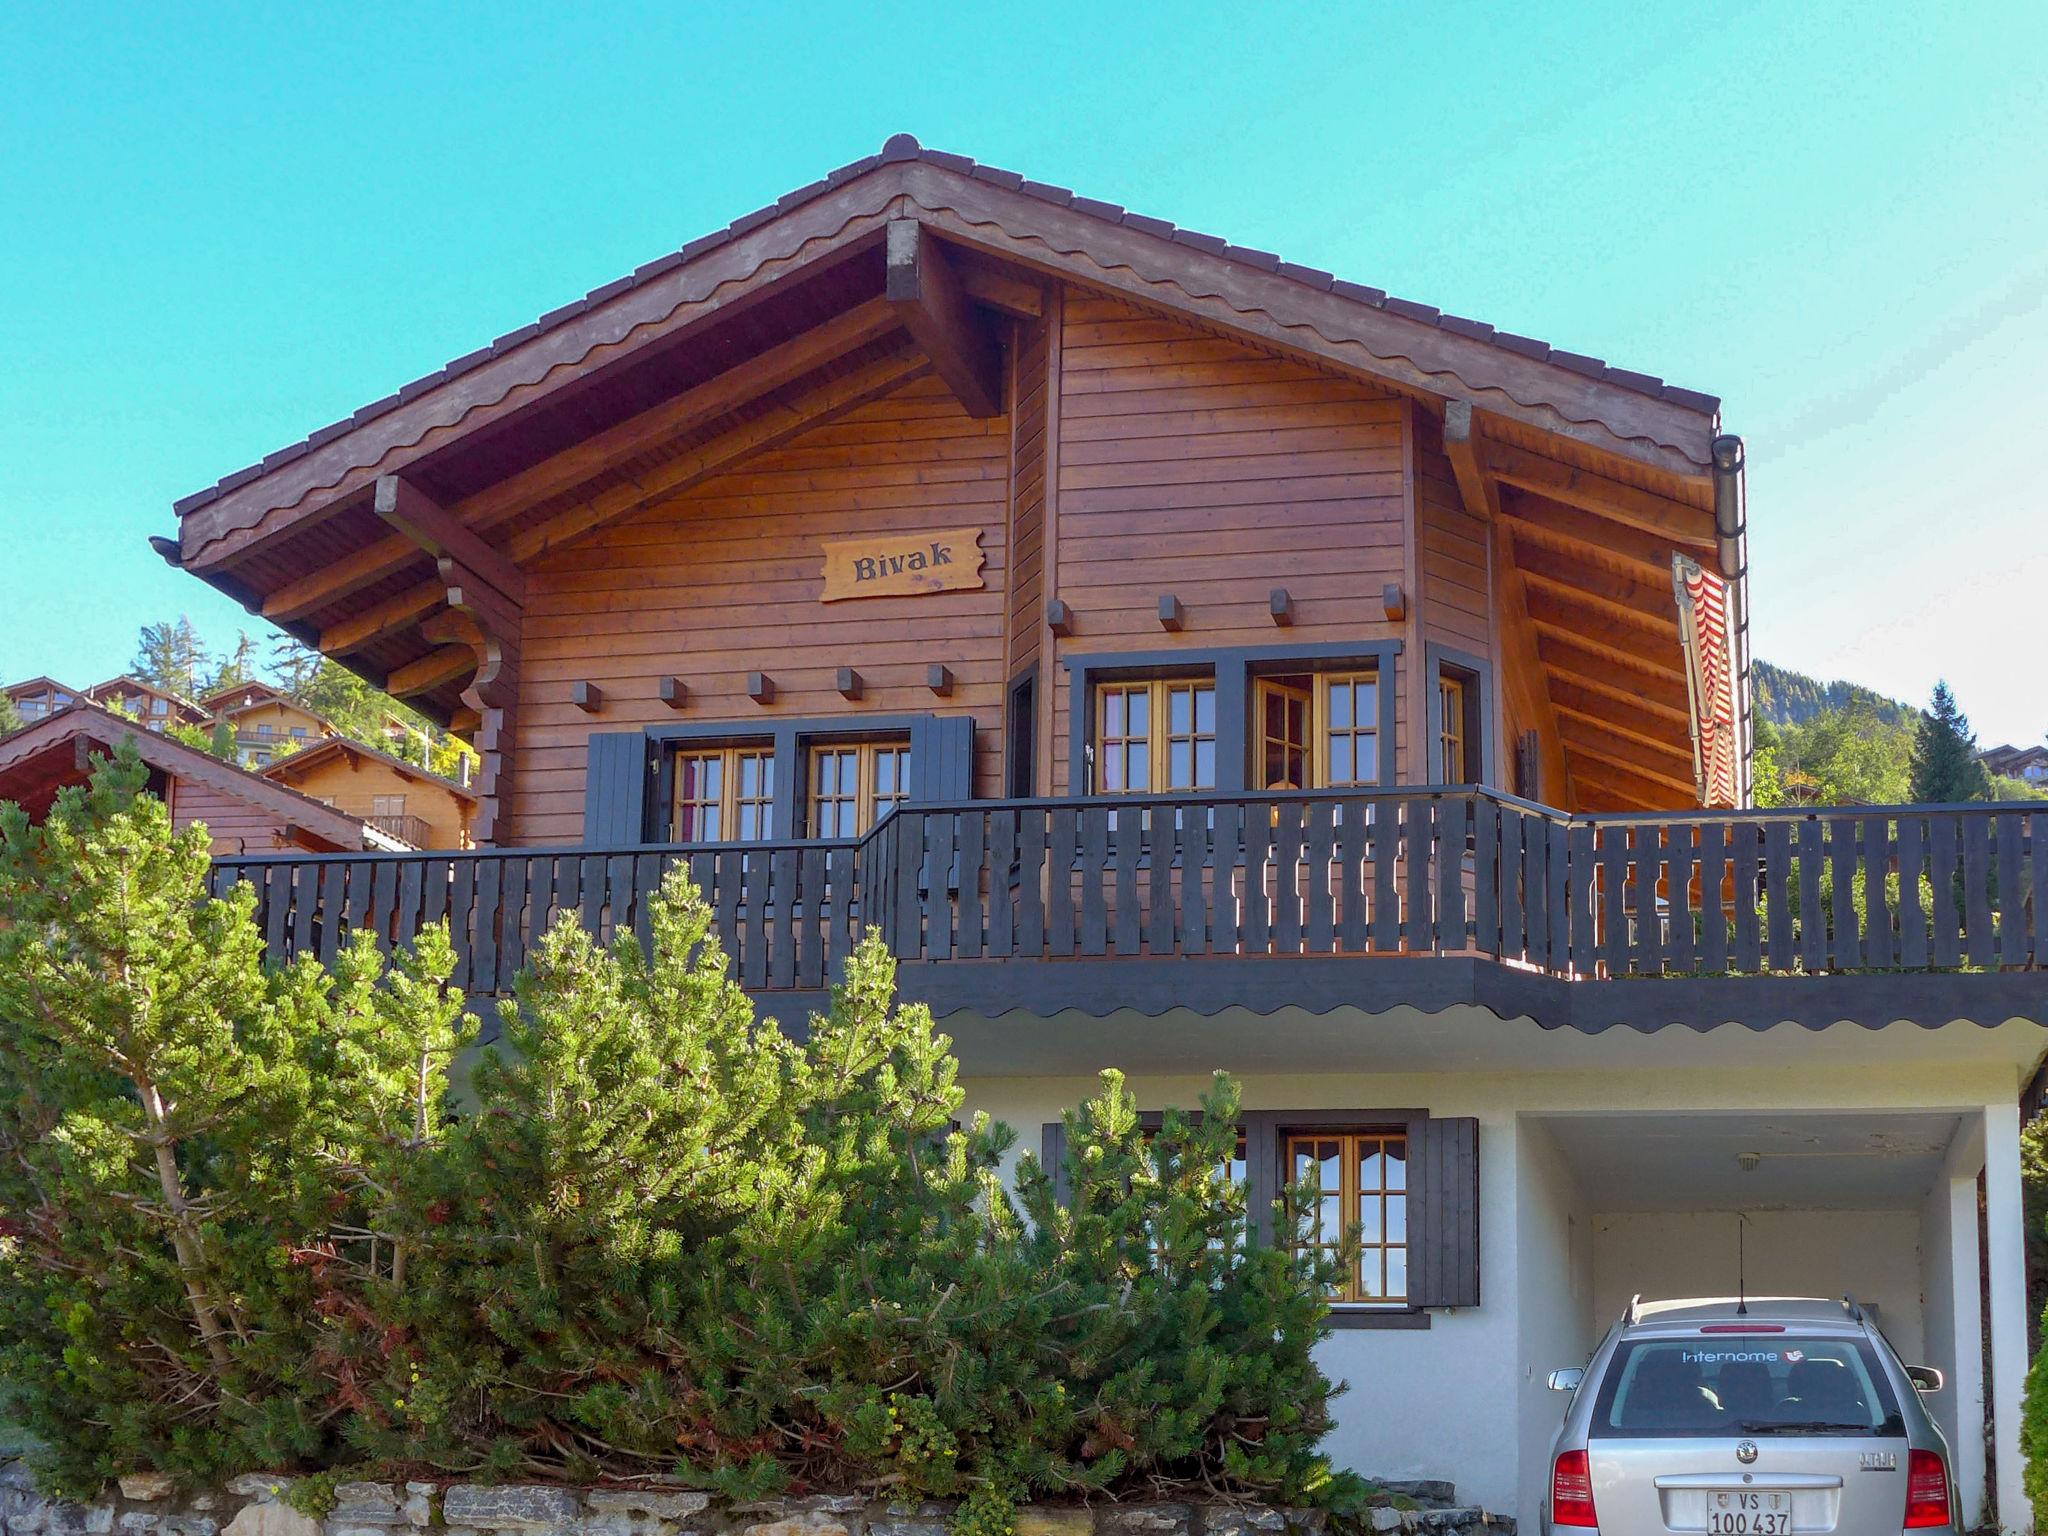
<point>1464,1399</point>
<point>1873,1254</point>
<point>1954,1342</point>
<point>1554,1302</point>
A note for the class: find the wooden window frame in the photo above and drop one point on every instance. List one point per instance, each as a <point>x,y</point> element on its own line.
<point>1160,736</point>
<point>1236,670</point>
<point>1476,677</point>
<point>1268,1133</point>
<point>730,802</point>
<point>1352,1194</point>
<point>1316,722</point>
<point>867,754</point>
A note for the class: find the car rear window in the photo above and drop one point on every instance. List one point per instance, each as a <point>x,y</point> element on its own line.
<point>1748,1384</point>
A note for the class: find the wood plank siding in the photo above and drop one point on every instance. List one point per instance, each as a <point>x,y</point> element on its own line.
<point>1199,467</point>
<point>724,580</point>
<point>1140,457</point>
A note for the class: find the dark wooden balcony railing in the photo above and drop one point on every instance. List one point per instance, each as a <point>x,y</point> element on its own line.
<point>1417,873</point>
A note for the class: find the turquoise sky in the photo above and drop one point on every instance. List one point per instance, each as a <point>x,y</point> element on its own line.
<point>222,226</point>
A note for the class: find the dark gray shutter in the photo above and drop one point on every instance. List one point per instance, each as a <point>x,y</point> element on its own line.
<point>1443,1213</point>
<point>1052,1154</point>
<point>941,759</point>
<point>615,789</point>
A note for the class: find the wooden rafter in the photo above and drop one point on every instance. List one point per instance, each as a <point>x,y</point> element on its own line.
<point>1554,526</point>
<point>1660,764</point>
<point>1631,505</point>
<point>1467,450</point>
<point>1565,653</point>
<point>1628,708</point>
<point>815,407</point>
<point>1571,606</point>
<point>920,281</point>
<point>1518,632</point>
<point>1647,730</point>
<point>1634,790</point>
<point>434,670</point>
<point>416,515</point>
<point>777,368</point>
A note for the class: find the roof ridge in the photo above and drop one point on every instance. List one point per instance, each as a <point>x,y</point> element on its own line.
<point>903,147</point>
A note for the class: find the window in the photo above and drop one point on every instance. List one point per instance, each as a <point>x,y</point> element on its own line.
<point>1021,732</point>
<point>1458,728</point>
<point>1319,730</point>
<point>723,794</point>
<point>263,729</point>
<point>1155,736</point>
<point>31,708</point>
<point>159,706</point>
<point>1359,1177</point>
<point>387,806</point>
<point>855,784</point>
<point>298,733</point>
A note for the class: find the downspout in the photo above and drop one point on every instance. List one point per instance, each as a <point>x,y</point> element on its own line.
<point>1731,528</point>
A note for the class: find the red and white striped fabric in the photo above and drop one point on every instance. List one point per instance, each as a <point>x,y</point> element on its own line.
<point>1710,673</point>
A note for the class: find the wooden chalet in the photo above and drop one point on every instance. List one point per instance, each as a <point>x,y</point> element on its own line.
<point>266,721</point>
<point>244,813</point>
<point>405,801</point>
<point>1186,659</point>
<point>153,706</point>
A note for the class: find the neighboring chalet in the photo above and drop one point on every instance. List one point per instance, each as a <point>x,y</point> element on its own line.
<point>2026,763</point>
<point>266,721</point>
<point>37,698</point>
<point>154,707</point>
<point>244,813</point>
<point>1185,659</point>
<point>420,809</point>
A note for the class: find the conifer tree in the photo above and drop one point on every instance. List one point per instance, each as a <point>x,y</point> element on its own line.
<point>1945,770</point>
<point>170,1127</point>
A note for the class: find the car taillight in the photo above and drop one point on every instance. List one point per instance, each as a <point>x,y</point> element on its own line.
<point>1926,1490</point>
<point>1571,1491</point>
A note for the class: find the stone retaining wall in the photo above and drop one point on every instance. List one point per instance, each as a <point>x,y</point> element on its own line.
<point>148,1504</point>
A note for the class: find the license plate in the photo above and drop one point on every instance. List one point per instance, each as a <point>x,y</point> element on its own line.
<point>1749,1512</point>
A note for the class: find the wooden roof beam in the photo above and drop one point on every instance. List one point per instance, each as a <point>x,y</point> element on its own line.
<point>1466,449</point>
<point>1552,525</point>
<point>1625,704</point>
<point>415,514</point>
<point>777,368</point>
<point>920,281</point>
<point>1659,765</point>
<point>824,403</point>
<point>1646,598</point>
<point>1691,527</point>
<point>1567,605</point>
<point>1636,791</point>
<point>431,671</point>
<point>1568,653</point>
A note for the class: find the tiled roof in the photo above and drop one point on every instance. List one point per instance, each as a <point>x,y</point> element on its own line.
<point>902,147</point>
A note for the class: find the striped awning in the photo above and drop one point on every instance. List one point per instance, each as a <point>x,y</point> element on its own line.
<point>1710,679</point>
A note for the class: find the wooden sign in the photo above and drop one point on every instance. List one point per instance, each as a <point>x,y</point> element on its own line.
<point>903,565</point>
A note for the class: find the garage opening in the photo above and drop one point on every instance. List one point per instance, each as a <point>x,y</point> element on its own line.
<point>1881,1206</point>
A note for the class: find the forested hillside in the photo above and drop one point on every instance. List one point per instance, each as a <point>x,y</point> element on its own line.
<point>1837,743</point>
<point>1785,697</point>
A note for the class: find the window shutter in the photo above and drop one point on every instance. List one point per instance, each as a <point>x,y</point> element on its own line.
<point>941,758</point>
<point>1052,1153</point>
<point>615,789</point>
<point>1443,1216</point>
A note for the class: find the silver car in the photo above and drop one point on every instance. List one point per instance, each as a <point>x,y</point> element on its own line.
<point>1769,1417</point>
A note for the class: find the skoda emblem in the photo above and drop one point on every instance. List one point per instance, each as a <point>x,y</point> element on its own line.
<point>1746,1452</point>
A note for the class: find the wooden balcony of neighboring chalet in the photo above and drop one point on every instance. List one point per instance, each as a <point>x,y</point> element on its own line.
<point>1318,900</point>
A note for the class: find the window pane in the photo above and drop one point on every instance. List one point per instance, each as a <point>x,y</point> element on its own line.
<point>1180,711</point>
<point>1141,713</point>
<point>1205,710</point>
<point>1340,761</point>
<point>1397,1163</point>
<point>1368,765</point>
<point>1370,1285</point>
<point>1397,1218</point>
<point>1340,706</point>
<point>1140,767</point>
<point>1181,765</point>
<point>1397,1274</point>
<point>1205,764</point>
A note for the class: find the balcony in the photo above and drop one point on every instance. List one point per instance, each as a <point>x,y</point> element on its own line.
<point>408,829</point>
<point>1427,898</point>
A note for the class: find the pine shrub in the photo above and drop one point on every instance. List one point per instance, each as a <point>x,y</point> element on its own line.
<point>250,1228</point>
